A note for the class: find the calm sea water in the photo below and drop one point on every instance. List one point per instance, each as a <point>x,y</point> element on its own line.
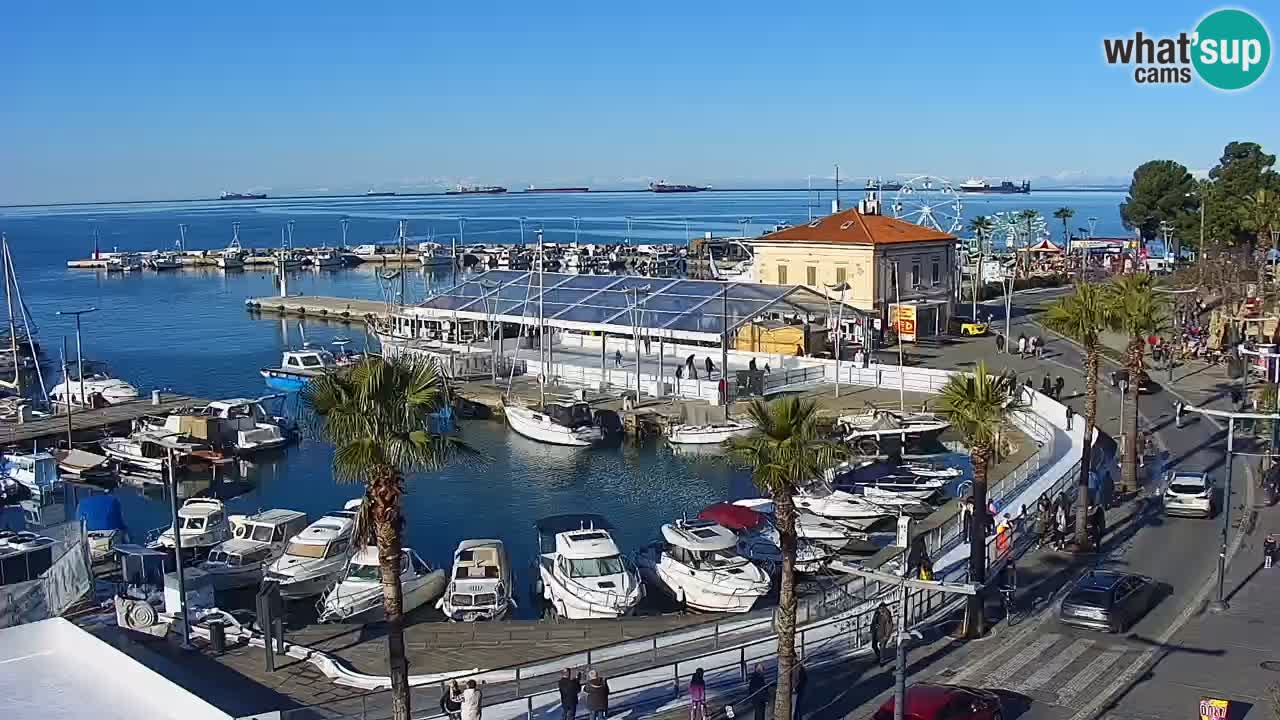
<point>188,331</point>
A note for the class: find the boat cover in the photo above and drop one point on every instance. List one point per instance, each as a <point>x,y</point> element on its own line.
<point>100,512</point>
<point>734,517</point>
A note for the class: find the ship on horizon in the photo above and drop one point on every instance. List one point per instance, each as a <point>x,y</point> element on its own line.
<point>242,196</point>
<point>980,185</point>
<point>476,190</point>
<point>532,189</point>
<point>662,186</point>
<point>379,193</point>
<point>883,186</point>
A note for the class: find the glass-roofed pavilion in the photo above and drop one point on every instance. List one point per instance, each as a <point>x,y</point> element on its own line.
<point>693,310</point>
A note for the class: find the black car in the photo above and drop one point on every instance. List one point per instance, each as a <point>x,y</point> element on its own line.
<point>1144,380</point>
<point>1107,601</point>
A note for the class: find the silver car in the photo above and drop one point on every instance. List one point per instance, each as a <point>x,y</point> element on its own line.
<point>1189,494</point>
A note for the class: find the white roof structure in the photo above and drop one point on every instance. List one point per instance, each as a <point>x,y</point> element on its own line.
<point>53,670</point>
<point>586,544</point>
<point>699,535</point>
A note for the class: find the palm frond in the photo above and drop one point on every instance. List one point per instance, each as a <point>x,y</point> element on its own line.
<point>980,405</point>
<point>787,452</point>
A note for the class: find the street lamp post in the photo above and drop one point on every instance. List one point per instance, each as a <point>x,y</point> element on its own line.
<point>79,351</point>
<point>839,329</point>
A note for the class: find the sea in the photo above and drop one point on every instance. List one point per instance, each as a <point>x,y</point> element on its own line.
<point>188,331</point>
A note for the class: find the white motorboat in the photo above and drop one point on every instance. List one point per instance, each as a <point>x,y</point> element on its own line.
<point>124,262</point>
<point>711,434</point>
<point>36,471</point>
<point>326,258</point>
<point>697,563</point>
<point>317,557</point>
<point>556,425</point>
<point>257,540</point>
<point>357,598</point>
<point>899,486</point>
<point>97,381</point>
<point>163,261</point>
<point>480,586</point>
<point>582,575</point>
<point>239,424</point>
<point>880,423</point>
<point>855,511</point>
<point>758,539</point>
<point>809,526</point>
<point>931,471</point>
<point>898,501</point>
<point>232,257</point>
<point>149,449</point>
<point>202,524</point>
<point>432,254</point>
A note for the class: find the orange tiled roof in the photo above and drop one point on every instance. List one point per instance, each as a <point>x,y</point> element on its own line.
<point>851,226</point>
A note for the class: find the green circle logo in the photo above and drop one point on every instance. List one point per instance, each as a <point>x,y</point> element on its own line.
<point>1232,49</point>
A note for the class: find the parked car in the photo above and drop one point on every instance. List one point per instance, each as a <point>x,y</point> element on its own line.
<point>930,701</point>
<point>1189,494</point>
<point>1107,601</point>
<point>1144,380</point>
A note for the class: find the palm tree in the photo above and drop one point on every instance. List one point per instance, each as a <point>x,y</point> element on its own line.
<point>1263,208</point>
<point>785,454</point>
<point>979,406</point>
<point>1065,214</point>
<point>1081,316</point>
<point>981,226</point>
<point>1138,311</point>
<point>1028,217</point>
<point>376,414</point>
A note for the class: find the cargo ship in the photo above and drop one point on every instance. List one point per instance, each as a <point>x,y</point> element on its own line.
<point>980,185</point>
<point>664,187</point>
<point>881,185</point>
<point>476,190</point>
<point>379,193</point>
<point>242,196</point>
<point>532,189</point>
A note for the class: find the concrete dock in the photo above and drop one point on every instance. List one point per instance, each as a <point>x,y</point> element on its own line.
<point>317,306</point>
<point>111,417</point>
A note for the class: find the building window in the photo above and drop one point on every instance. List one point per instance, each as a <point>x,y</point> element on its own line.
<point>937,272</point>
<point>915,273</point>
<point>811,276</point>
<point>840,276</point>
<point>782,274</point>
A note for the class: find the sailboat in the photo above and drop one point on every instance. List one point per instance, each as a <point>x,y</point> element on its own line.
<point>22,350</point>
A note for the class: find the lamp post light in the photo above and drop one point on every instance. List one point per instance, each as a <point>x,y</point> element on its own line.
<point>79,352</point>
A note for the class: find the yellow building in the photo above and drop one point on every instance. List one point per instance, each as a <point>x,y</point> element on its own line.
<point>862,250</point>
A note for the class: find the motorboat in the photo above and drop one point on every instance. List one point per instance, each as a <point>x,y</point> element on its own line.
<point>810,526</point>
<point>151,450</point>
<point>96,381</point>
<point>710,434</point>
<point>357,599</point>
<point>581,573</point>
<point>299,367</point>
<point>480,586</point>
<point>315,558</point>
<point>886,480</point>
<point>124,262</point>
<point>759,539</point>
<point>698,564</point>
<point>83,466</point>
<point>240,425</point>
<point>853,510</point>
<point>202,524</point>
<point>930,470</point>
<point>37,472</point>
<point>104,525</point>
<point>432,254</point>
<point>162,261</point>
<point>572,426</point>
<point>256,541</point>
<point>876,424</point>
<point>232,257</point>
<point>327,258</point>
<point>901,488</point>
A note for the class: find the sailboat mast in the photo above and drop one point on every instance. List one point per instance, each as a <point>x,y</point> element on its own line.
<point>404,224</point>
<point>13,326</point>
<point>542,336</point>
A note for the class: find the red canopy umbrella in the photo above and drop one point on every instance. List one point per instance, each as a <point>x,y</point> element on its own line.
<point>734,517</point>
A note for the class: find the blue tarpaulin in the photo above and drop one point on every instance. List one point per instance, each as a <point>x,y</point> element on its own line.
<point>100,512</point>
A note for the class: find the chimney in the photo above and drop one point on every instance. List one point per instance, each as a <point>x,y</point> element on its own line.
<point>835,206</point>
<point>870,204</point>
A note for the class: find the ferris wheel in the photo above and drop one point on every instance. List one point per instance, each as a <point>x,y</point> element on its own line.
<point>931,202</point>
<point>1017,229</point>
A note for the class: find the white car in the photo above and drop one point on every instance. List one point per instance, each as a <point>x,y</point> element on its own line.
<point>1190,494</point>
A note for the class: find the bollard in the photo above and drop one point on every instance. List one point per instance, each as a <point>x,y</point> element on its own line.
<point>155,397</point>
<point>217,637</point>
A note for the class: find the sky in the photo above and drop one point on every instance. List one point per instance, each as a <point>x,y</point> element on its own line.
<point>162,100</point>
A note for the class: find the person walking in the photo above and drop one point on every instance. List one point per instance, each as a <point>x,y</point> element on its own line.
<point>966,518</point>
<point>758,691</point>
<point>752,365</point>
<point>1178,409</point>
<point>999,341</point>
<point>799,682</point>
<point>597,696</point>
<point>451,700</point>
<point>1071,414</point>
<point>646,345</point>
<point>1058,386</point>
<point>766,367</point>
<point>570,688</point>
<point>881,628</point>
<point>1022,345</point>
<point>679,374</point>
<point>617,358</point>
<point>471,701</point>
<point>698,696</point>
<point>711,367</point>
<point>1059,525</point>
<point>1046,386</point>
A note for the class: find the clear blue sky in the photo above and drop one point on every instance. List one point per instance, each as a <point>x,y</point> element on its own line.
<point>163,100</point>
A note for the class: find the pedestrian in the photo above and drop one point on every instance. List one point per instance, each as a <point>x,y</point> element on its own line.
<point>881,628</point>
<point>999,341</point>
<point>1022,345</point>
<point>1046,386</point>
<point>1031,391</point>
<point>617,358</point>
<point>1058,386</point>
<point>966,518</point>
<point>570,688</point>
<point>1099,524</point>
<point>471,699</point>
<point>451,700</point>
<point>992,512</point>
<point>698,696</point>
<point>1059,525</point>
<point>801,679</point>
<point>766,367</point>
<point>722,390</point>
<point>679,374</point>
<point>1177,414</point>
<point>1071,414</point>
<point>752,365</point>
<point>1039,346</point>
<point>646,345</point>
<point>597,696</point>
<point>758,691</point>
<point>711,367</point>
<point>1237,398</point>
<point>1268,551</point>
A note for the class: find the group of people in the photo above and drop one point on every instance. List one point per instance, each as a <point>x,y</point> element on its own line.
<point>572,688</point>
<point>461,703</point>
<point>1033,346</point>
<point>1055,518</point>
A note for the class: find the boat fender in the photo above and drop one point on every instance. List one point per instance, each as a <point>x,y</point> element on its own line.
<point>279,308</point>
<point>540,590</point>
<point>324,311</point>
<point>346,314</point>
<point>302,310</point>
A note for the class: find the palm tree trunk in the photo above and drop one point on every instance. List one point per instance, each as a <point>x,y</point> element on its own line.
<point>1129,465</point>
<point>975,620</point>
<point>1086,456</point>
<point>386,488</point>
<point>786,605</point>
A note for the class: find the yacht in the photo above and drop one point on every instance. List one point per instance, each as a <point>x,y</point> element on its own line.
<point>581,573</point>
<point>480,586</point>
<point>710,434</point>
<point>316,557</point>
<point>104,525</point>
<point>878,423</point>
<point>697,563</point>
<point>37,472</point>
<point>299,367</point>
<point>202,525</point>
<point>809,526</point>
<point>931,471</point>
<point>432,254</point>
<point>148,450</point>
<point>884,480</point>
<point>853,510</point>
<point>326,258</point>
<point>573,426</point>
<point>243,426</point>
<point>759,539</point>
<point>256,541</point>
<point>357,599</point>
<point>96,380</point>
<point>163,261</point>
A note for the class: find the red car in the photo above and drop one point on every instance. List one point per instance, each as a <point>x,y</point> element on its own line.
<point>927,701</point>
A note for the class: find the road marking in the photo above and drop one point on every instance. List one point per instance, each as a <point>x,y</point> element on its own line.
<point>973,669</point>
<point>20,658</point>
<point>1054,666</point>
<point>1008,669</point>
<point>1092,671</point>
